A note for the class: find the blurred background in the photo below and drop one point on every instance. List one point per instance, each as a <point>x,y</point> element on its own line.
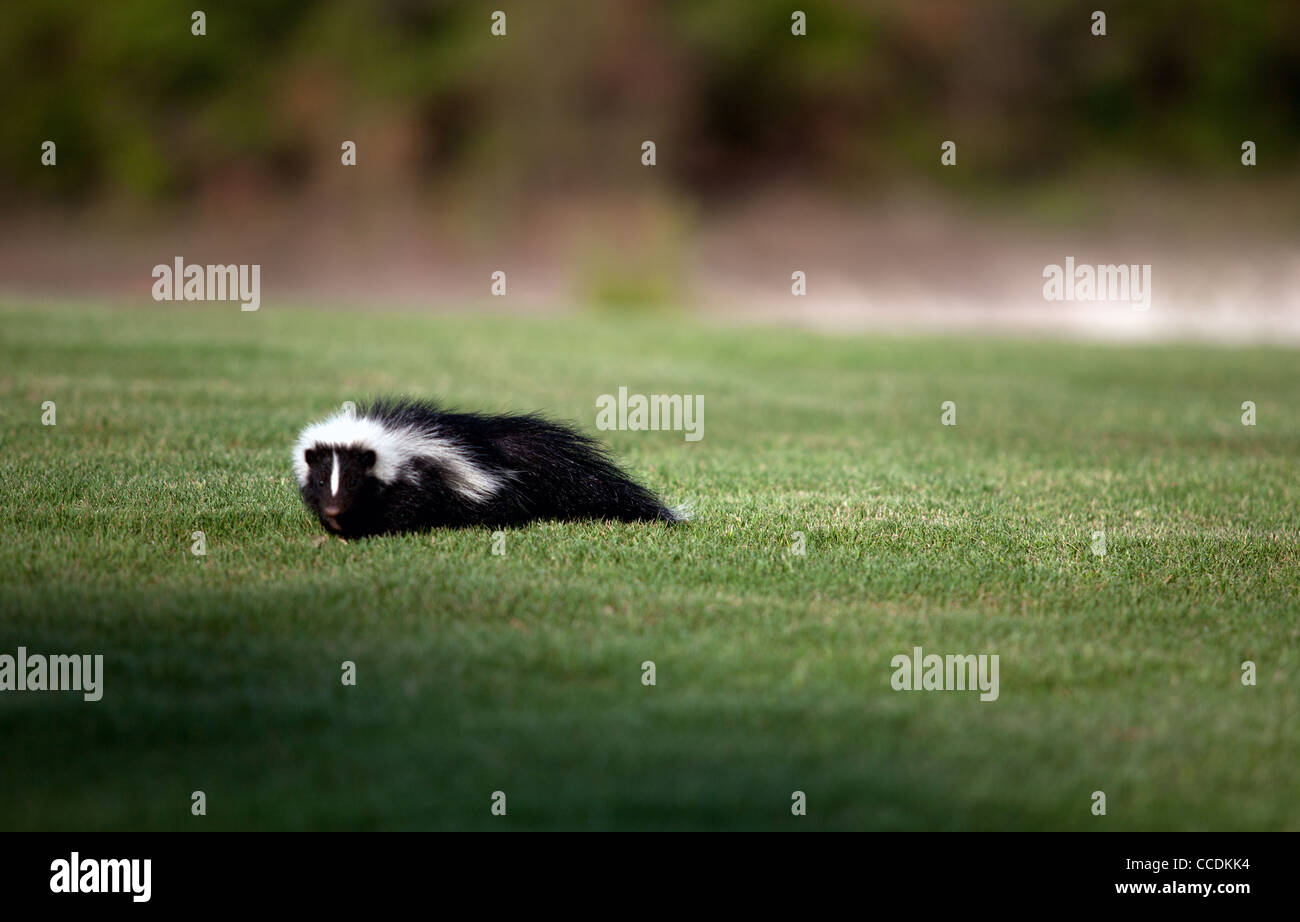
<point>774,153</point>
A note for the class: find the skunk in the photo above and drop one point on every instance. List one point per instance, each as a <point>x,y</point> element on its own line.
<point>402,465</point>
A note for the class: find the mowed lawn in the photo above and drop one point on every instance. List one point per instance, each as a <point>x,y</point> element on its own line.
<point>522,672</point>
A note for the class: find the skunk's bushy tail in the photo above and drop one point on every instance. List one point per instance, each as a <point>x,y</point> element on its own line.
<point>561,473</point>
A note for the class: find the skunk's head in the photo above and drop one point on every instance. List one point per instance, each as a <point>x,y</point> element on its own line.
<point>341,465</point>
<point>340,482</point>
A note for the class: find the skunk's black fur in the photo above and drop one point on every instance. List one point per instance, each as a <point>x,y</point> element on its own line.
<point>407,465</point>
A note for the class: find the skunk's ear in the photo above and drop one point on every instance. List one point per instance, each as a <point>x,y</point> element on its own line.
<point>367,460</point>
<point>311,456</point>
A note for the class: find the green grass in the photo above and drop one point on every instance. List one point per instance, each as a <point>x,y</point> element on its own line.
<point>521,673</point>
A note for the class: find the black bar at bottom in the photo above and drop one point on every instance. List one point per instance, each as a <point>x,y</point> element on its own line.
<point>332,871</point>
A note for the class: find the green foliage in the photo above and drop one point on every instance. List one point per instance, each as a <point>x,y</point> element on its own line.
<point>142,108</point>
<point>149,109</point>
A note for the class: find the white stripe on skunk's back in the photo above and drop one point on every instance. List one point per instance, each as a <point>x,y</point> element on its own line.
<point>396,450</point>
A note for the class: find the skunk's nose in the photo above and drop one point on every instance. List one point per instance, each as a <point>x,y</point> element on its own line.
<point>330,511</point>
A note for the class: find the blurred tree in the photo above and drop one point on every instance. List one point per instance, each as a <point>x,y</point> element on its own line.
<point>143,110</point>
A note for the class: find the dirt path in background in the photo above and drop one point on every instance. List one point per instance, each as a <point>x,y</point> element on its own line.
<point>896,268</point>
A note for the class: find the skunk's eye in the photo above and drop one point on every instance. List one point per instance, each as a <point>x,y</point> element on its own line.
<point>320,481</point>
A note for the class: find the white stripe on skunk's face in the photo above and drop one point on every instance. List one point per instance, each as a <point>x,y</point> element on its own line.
<point>395,451</point>
<point>334,475</point>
